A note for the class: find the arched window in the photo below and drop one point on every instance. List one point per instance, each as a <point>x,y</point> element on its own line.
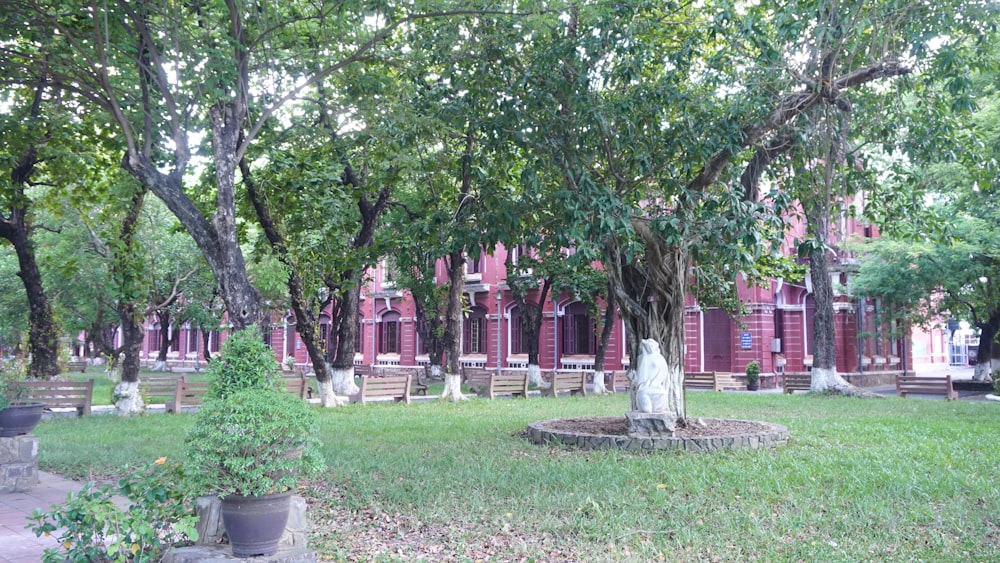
<point>578,331</point>
<point>474,332</point>
<point>518,336</point>
<point>388,334</point>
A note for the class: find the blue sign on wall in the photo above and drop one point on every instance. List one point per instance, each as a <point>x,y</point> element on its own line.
<point>746,341</point>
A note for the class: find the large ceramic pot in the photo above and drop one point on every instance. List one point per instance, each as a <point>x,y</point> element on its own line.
<point>255,524</point>
<point>20,418</point>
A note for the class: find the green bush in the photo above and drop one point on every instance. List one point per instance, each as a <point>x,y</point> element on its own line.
<point>753,371</point>
<point>92,527</point>
<point>253,443</point>
<point>251,438</point>
<point>245,362</point>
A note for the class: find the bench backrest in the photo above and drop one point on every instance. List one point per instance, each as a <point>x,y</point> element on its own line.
<point>394,386</point>
<point>925,385</point>
<point>513,383</point>
<point>62,394</point>
<point>792,381</point>
<point>159,385</point>
<point>297,385</point>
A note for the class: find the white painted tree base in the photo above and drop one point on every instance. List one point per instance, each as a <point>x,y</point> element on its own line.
<point>453,388</point>
<point>128,400</point>
<point>327,398</point>
<point>598,387</point>
<point>343,381</point>
<point>535,377</point>
<point>825,380</point>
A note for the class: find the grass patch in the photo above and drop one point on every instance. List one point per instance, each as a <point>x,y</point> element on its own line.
<point>888,479</point>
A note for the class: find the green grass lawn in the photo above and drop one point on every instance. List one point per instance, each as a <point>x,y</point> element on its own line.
<point>881,480</point>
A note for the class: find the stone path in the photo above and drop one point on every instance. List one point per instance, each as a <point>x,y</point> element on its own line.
<point>18,544</point>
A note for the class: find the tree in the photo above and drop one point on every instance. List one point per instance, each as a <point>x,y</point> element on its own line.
<point>166,72</point>
<point>25,134</point>
<point>661,131</point>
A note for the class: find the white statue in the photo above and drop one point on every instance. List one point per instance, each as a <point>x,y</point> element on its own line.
<point>650,379</point>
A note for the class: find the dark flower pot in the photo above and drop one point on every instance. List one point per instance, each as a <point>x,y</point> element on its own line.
<point>255,524</point>
<point>20,418</point>
<point>753,386</point>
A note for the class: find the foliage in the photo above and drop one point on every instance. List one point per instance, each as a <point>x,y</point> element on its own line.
<point>246,363</point>
<point>251,438</point>
<point>12,371</point>
<point>253,442</point>
<point>92,527</point>
<point>753,372</point>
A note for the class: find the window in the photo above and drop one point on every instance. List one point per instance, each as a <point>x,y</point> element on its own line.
<point>578,331</point>
<point>474,267</point>
<point>386,270</point>
<point>474,332</point>
<point>522,255</point>
<point>360,336</point>
<point>519,337</point>
<point>388,335</point>
<point>192,340</point>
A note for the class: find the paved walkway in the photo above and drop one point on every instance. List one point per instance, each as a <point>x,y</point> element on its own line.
<point>18,544</point>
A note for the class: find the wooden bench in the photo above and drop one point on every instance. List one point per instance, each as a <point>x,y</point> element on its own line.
<point>476,379</point>
<point>619,381</point>
<point>506,383</point>
<point>77,395</point>
<point>925,386</point>
<point>187,394</point>
<point>573,381</point>
<point>417,385</point>
<point>298,386</point>
<point>159,387</point>
<point>395,387</point>
<point>709,380</point>
<point>792,381</point>
<point>77,365</point>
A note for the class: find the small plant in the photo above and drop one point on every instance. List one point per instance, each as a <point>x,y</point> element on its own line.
<point>753,372</point>
<point>92,527</point>
<point>251,438</point>
<point>11,375</point>
<point>246,362</point>
<point>996,381</point>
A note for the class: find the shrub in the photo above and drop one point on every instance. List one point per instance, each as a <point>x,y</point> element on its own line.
<point>246,362</point>
<point>91,527</point>
<point>753,371</point>
<point>253,443</point>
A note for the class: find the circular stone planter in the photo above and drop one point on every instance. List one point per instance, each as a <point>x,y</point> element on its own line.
<point>751,434</point>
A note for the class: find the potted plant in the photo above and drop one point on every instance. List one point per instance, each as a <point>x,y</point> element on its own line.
<point>250,442</point>
<point>753,376</point>
<point>17,415</point>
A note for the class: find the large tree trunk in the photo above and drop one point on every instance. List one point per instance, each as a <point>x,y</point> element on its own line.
<point>43,335</point>
<point>602,344</point>
<point>824,348</point>
<point>217,239</point>
<point>651,299</point>
<point>984,356</point>
<point>531,318</point>
<point>453,327</point>
<point>345,324</point>
<point>127,398</point>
